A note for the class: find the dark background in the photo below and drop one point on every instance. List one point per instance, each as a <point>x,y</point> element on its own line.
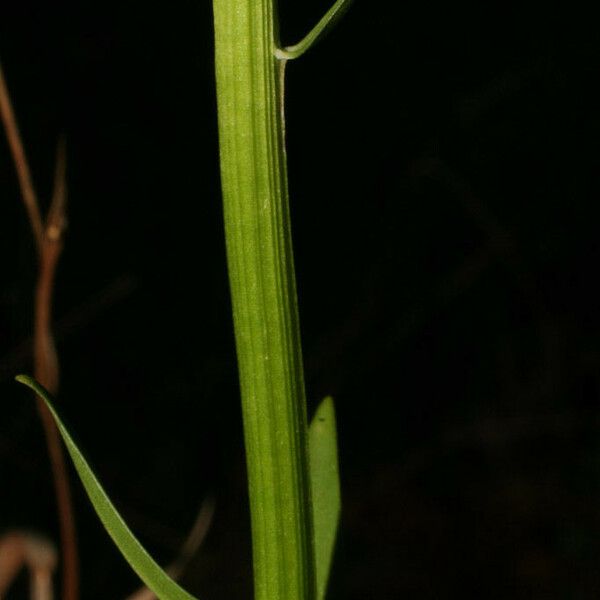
<point>443,175</point>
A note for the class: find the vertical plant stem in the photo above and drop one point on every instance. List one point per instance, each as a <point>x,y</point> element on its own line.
<point>261,272</point>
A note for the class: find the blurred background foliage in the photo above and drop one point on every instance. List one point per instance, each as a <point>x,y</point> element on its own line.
<point>444,166</point>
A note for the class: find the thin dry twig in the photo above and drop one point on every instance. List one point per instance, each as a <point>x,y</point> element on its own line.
<point>49,241</point>
<point>21,165</point>
<point>46,371</point>
<point>45,358</point>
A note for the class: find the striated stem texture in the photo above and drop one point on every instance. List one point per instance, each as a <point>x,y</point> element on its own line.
<point>261,272</point>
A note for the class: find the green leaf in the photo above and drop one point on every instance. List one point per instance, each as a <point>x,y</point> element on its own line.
<point>141,562</point>
<point>325,481</point>
<point>325,23</point>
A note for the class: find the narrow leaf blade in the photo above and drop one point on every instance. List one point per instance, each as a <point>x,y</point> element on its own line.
<point>142,563</point>
<point>325,481</point>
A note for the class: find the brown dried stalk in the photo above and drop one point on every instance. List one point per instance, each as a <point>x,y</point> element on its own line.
<point>48,237</point>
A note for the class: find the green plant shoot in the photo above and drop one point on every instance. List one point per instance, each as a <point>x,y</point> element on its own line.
<point>249,71</point>
<point>292,471</point>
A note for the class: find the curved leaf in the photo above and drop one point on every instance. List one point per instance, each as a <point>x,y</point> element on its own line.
<point>135,554</point>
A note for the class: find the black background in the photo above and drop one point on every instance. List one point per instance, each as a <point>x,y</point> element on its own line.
<point>443,166</point>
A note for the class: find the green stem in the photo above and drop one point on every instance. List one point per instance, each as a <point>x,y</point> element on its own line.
<point>261,272</point>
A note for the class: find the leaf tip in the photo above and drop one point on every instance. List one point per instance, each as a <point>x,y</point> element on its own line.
<point>325,411</point>
<point>25,380</point>
<point>32,384</point>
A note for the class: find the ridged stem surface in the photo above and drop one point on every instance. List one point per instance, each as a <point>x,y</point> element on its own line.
<point>261,272</point>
